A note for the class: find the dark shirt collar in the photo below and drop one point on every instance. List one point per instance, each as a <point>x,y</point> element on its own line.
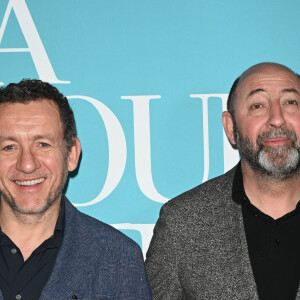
<point>59,227</point>
<point>61,217</point>
<point>238,192</point>
<point>29,277</point>
<point>239,196</point>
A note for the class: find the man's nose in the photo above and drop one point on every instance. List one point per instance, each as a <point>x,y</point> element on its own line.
<point>276,116</point>
<point>27,161</point>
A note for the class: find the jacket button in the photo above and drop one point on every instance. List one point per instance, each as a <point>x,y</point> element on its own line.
<point>74,297</point>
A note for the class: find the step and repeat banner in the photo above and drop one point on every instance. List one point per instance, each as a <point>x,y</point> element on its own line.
<point>148,81</point>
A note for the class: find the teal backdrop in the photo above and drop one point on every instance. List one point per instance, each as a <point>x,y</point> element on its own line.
<point>148,81</point>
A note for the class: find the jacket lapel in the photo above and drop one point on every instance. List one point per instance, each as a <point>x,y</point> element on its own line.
<point>240,262</point>
<point>298,294</point>
<point>72,257</point>
<point>233,275</point>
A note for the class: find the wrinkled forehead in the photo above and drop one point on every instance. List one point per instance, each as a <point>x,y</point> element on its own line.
<point>273,75</point>
<point>31,112</point>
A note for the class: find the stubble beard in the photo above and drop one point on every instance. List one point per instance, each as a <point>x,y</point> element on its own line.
<point>279,162</point>
<point>51,198</point>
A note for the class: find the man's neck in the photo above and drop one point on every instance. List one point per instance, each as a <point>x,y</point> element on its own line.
<point>28,231</point>
<point>273,197</point>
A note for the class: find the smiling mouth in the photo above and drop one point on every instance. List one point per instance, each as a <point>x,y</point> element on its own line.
<point>29,182</point>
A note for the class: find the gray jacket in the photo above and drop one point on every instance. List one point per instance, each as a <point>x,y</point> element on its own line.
<point>199,248</point>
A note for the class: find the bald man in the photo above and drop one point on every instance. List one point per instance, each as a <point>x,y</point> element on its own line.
<point>237,236</point>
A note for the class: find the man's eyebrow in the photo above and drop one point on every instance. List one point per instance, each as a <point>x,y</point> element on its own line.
<point>291,90</point>
<point>253,92</point>
<point>7,138</point>
<point>45,136</point>
<point>49,137</point>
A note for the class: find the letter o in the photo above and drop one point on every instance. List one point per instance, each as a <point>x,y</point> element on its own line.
<point>117,149</point>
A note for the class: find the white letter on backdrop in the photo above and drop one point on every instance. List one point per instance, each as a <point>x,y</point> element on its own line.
<point>116,148</point>
<point>230,155</point>
<point>142,146</point>
<point>33,40</point>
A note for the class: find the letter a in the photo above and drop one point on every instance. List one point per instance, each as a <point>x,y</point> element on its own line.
<point>33,40</point>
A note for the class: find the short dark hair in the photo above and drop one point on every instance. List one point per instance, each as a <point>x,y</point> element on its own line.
<point>231,97</point>
<point>29,90</point>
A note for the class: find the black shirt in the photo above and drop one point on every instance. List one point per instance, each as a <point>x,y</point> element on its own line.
<point>21,280</point>
<point>274,247</point>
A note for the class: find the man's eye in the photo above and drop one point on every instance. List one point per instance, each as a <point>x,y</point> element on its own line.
<point>9,148</point>
<point>257,106</point>
<point>291,102</point>
<point>44,145</point>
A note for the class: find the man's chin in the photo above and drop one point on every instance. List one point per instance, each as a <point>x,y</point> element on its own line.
<point>30,210</point>
<point>26,206</point>
<point>279,165</point>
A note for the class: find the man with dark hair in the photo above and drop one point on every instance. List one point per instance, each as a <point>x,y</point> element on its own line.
<point>237,236</point>
<point>48,249</point>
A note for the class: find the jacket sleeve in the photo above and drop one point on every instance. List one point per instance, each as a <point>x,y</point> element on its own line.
<point>162,260</point>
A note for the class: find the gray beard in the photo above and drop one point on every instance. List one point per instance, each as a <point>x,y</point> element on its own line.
<point>280,162</point>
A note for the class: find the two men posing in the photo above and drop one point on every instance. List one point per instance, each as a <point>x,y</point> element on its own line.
<point>233,237</point>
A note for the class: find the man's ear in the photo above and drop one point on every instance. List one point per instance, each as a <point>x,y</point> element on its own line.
<point>228,127</point>
<point>73,155</point>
